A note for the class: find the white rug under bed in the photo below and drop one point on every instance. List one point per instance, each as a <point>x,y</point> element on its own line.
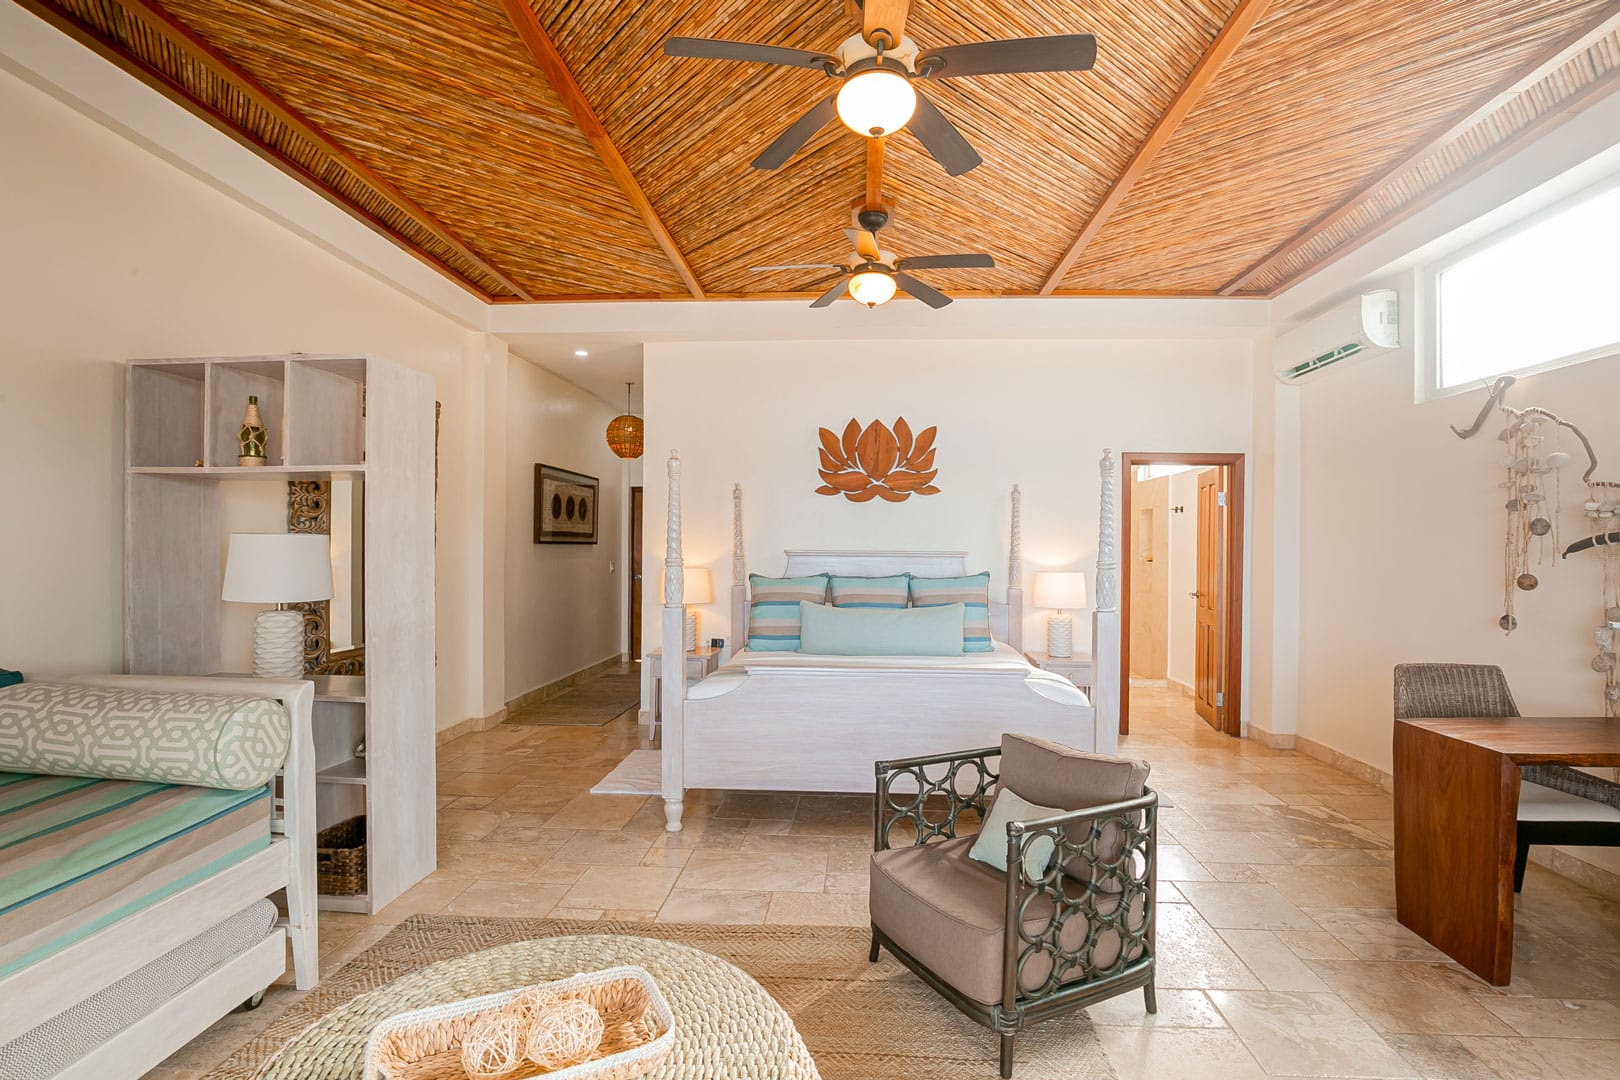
<point>640,773</point>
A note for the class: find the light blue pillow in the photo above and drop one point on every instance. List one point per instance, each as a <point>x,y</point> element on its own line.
<point>834,631</point>
<point>991,846</point>
<point>773,611</point>
<point>973,591</point>
<point>871,592</point>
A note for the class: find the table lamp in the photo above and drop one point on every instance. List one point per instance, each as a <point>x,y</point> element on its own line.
<point>1063,592</point>
<point>698,589</point>
<point>280,569</point>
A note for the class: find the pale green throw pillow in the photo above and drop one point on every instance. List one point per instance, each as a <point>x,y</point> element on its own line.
<point>835,631</point>
<point>991,846</point>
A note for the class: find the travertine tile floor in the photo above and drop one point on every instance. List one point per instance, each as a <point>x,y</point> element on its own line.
<point>1279,953</point>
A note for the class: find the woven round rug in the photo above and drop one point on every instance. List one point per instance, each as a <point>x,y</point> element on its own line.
<point>726,1026</point>
<point>861,1021</point>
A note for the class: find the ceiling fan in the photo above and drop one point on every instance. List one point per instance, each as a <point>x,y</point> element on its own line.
<point>878,67</point>
<point>879,275</point>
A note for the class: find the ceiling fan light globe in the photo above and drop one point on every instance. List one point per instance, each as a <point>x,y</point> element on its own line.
<point>872,287</point>
<point>877,102</point>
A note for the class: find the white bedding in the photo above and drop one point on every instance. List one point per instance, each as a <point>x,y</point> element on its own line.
<point>1002,660</point>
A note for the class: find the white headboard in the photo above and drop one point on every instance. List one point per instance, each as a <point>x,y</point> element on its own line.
<point>877,563</point>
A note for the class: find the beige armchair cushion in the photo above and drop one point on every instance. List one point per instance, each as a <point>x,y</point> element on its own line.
<point>1051,774</point>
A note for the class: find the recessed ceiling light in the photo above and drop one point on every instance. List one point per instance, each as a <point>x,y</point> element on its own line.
<point>582,353</point>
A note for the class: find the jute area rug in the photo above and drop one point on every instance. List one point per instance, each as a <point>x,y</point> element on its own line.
<point>861,1021</point>
<point>590,704</point>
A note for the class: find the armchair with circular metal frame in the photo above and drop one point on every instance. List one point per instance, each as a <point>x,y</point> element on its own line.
<point>1071,926</point>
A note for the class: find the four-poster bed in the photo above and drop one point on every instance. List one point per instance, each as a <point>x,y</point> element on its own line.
<point>789,721</point>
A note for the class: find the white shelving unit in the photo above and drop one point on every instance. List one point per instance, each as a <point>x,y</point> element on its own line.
<point>352,416</point>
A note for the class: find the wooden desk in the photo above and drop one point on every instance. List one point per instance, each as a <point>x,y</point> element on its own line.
<point>1456,816</point>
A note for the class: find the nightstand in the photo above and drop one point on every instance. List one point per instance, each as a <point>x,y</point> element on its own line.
<point>1076,668</point>
<point>700,663</point>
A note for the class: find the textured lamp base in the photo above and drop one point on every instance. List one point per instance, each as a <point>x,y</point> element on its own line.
<point>278,645</point>
<point>1060,637</point>
<point>691,630</point>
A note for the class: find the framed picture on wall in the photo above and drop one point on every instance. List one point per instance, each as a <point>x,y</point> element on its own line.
<point>565,506</point>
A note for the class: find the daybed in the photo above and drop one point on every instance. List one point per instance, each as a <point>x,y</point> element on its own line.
<point>803,722</point>
<point>139,842</point>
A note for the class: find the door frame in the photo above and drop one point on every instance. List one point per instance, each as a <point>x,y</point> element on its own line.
<point>634,612</point>
<point>1232,721</point>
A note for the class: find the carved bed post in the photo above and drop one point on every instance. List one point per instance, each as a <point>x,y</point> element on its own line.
<point>1106,686</point>
<point>737,640</point>
<point>674,655</point>
<point>1015,575</point>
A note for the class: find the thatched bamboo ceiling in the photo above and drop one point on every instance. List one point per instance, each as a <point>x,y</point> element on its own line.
<point>547,149</point>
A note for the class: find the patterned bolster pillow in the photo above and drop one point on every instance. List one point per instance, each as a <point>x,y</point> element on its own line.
<point>168,737</point>
<point>870,592</point>
<point>972,591</point>
<point>773,610</point>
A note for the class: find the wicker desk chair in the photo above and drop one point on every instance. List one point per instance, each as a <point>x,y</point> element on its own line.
<point>1012,949</point>
<point>1557,804</point>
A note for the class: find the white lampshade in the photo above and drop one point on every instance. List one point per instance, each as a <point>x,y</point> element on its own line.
<point>872,287</point>
<point>698,587</point>
<point>278,568</point>
<point>876,102</point>
<point>1063,591</point>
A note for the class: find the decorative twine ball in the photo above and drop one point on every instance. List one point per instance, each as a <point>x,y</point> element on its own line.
<point>564,1033</point>
<point>1540,526</point>
<point>1603,661</point>
<point>1514,506</point>
<point>1527,581</point>
<point>529,1002</point>
<point>1508,623</point>
<point>492,1047</point>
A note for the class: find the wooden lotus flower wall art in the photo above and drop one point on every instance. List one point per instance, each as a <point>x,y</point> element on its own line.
<point>878,462</point>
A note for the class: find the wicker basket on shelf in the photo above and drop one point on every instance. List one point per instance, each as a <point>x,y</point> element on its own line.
<point>638,1030</point>
<point>340,858</point>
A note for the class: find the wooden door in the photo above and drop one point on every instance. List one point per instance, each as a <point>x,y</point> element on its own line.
<point>635,574</point>
<point>1207,633</point>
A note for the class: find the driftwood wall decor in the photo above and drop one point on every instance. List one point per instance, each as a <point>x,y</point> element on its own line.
<point>1534,462</point>
<point>877,462</point>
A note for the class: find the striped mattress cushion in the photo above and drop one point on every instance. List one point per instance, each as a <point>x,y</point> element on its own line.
<point>871,592</point>
<point>973,592</point>
<point>773,611</point>
<point>78,854</point>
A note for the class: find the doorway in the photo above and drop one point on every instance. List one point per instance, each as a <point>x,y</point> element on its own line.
<point>1181,622</point>
<point>635,575</point>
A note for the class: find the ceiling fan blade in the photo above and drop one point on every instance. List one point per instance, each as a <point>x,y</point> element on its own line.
<point>884,16</point>
<point>926,293</point>
<point>831,294</point>
<point>797,266</point>
<point>788,143</point>
<point>1061,52</point>
<point>940,138</point>
<point>938,262</point>
<point>715,49</point>
<point>866,243</point>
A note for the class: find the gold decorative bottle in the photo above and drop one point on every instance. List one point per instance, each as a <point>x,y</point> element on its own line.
<point>252,438</point>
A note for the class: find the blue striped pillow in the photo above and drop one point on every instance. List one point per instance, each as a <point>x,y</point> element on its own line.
<point>871,592</point>
<point>773,611</point>
<point>973,592</point>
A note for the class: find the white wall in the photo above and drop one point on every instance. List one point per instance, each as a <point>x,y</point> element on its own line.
<point>112,253</point>
<point>564,611</point>
<point>1402,542</point>
<point>1038,415</point>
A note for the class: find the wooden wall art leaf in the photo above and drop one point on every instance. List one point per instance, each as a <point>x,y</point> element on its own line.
<point>878,462</point>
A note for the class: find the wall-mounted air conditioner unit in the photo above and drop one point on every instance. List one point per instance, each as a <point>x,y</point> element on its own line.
<point>1368,323</point>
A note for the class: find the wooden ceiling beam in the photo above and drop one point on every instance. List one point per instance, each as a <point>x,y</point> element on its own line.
<point>1242,20</point>
<point>182,36</point>
<point>885,20</point>
<point>1489,101</point>
<point>551,63</point>
<point>1542,125</point>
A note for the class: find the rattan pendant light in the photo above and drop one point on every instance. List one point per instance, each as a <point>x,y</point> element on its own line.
<point>624,431</point>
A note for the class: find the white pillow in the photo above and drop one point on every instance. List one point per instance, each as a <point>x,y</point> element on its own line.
<point>991,846</point>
